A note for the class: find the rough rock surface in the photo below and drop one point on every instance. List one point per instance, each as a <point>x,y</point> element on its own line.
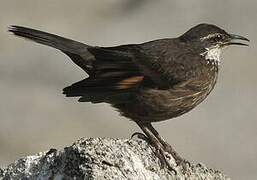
<point>103,158</point>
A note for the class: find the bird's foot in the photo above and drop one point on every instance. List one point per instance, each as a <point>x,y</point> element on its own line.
<point>178,159</point>
<point>164,160</point>
<point>160,152</point>
<point>163,149</point>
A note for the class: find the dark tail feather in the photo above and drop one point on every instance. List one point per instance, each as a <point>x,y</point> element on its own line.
<point>75,50</point>
<point>48,39</point>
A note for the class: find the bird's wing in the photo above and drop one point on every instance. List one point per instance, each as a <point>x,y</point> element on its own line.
<point>120,71</point>
<point>114,78</point>
<point>163,63</point>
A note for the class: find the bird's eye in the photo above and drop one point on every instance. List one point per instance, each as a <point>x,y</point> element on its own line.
<point>218,37</point>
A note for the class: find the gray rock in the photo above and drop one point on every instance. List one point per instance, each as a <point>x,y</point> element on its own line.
<point>103,158</point>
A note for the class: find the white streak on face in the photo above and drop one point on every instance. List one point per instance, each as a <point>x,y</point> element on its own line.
<point>210,36</point>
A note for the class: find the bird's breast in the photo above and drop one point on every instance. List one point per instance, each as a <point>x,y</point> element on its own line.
<point>181,98</point>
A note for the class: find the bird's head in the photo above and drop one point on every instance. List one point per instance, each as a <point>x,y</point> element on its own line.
<point>209,36</point>
<point>210,39</point>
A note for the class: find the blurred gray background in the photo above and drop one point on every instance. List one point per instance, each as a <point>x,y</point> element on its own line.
<point>35,116</point>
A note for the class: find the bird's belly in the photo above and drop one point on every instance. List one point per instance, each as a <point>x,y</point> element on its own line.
<point>154,105</point>
<point>169,104</point>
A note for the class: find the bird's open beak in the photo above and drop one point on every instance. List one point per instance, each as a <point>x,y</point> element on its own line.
<point>234,40</point>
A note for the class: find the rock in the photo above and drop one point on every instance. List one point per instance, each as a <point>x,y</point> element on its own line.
<point>103,158</point>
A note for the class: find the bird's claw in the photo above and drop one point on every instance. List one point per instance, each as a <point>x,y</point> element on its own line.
<point>161,150</point>
<point>140,136</point>
<point>161,154</point>
<point>179,161</point>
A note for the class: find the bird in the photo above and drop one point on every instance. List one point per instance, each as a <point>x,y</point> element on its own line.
<point>148,82</point>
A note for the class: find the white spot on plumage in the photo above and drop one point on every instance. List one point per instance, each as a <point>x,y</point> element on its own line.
<point>212,55</point>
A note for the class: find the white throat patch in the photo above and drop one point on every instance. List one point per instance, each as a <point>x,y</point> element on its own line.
<point>212,54</point>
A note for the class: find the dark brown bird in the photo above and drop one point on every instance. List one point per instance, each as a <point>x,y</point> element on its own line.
<point>148,82</point>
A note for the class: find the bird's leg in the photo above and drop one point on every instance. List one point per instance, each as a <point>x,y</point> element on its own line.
<point>167,147</point>
<point>160,152</point>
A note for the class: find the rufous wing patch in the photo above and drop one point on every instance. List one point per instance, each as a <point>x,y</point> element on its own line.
<point>129,82</point>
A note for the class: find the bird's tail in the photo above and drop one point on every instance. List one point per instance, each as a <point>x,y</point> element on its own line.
<point>45,38</point>
<point>77,51</point>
